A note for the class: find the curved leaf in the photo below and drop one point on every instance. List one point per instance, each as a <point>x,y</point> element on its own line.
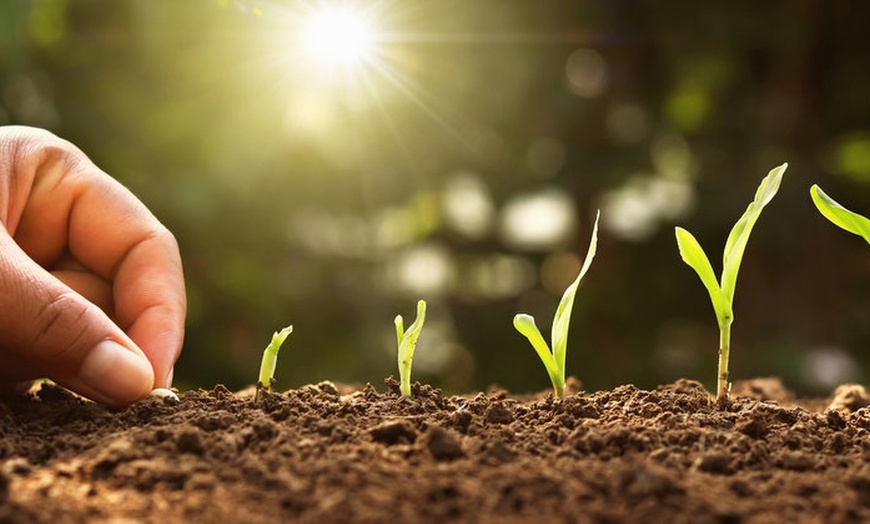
<point>739,236</point>
<point>562,319</point>
<point>693,254</point>
<point>839,215</point>
<point>525,324</point>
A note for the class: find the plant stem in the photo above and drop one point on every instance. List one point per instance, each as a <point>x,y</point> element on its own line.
<point>724,353</point>
<point>559,389</point>
<point>405,377</point>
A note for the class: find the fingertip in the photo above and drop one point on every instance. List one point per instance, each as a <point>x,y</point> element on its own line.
<point>159,332</point>
<point>116,374</point>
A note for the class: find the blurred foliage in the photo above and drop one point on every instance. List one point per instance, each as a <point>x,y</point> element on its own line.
<point>465,169</point>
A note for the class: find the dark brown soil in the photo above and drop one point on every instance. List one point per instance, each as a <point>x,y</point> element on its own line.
<point>328,454</point>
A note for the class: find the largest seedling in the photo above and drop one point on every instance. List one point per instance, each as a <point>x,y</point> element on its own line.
<point>722,291</point>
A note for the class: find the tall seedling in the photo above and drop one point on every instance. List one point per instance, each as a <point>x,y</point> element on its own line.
<point>722,292</point>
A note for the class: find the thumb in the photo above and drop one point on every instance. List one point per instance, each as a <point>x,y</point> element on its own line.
<point>48,329</point>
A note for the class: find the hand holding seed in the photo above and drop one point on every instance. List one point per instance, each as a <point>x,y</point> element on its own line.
<point>91,286</point>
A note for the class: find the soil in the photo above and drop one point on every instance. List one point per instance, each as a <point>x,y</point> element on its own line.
<point>327,453</point>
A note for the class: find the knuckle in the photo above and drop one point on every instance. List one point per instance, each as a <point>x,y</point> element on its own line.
<point>32,143</point>
<point>166,237</point>
<point>34,151</point>
<point>171,248</point>
<point>60,324</point>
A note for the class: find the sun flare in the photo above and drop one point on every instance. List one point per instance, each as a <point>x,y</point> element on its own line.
<point>338,37</point>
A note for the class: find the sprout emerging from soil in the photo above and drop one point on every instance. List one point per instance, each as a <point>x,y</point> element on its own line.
<point>407,342</point>
<point>270,361</point>
<point>554,361</point>
<point>839,215</point>
<point>722,292</point>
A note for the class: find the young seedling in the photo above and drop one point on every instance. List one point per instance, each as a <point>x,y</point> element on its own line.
<point>839,215</point>
<point>270,361</point>
<point>407,342</point>
<point>554,361</point>
<point>722,292</point>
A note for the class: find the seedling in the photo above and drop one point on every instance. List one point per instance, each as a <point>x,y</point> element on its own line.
<point>270,361</point>
<point>407,342</point>
<point>839,215</point>
<point>722,292</point>
<point>554,361</point>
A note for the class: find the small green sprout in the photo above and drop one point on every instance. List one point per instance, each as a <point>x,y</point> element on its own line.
<point>270,361</point>
<point>554,361</point>
<point>722,292</point>
<point>407,342</point>
<point>839,215</point>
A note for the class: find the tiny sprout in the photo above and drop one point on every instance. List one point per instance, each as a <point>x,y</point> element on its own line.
<point>554,361</point>
<point>839,215</point>
<point>270,361</point>
<point>163,393</point>
<point>407,342</point>
<point>722,292</point>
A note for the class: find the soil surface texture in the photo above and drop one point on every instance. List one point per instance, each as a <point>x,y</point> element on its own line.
<point>327,453</point>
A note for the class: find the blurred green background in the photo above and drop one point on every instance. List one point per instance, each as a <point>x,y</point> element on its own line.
<point>462,163</point>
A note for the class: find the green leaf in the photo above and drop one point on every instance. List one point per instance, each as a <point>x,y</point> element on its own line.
<point>559,330</point>
<point>693,255</point>
<point>839,215</point>
<point>525,324</point>
<point>400,330</point>
<point>739,236</point>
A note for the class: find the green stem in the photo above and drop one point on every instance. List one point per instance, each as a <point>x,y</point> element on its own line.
<point>405,377</point>
<point>722,385</point>
<point>559,388</point>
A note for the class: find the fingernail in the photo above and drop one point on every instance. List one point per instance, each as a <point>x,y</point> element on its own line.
<point>169,377</point>
<point>116,372</point>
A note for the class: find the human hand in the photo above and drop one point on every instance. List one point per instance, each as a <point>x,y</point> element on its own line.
<point>91,285</point>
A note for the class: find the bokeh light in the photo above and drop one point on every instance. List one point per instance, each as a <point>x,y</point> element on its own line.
<point>468,206</point>
<point>587,74</point>
<point>538,221</point>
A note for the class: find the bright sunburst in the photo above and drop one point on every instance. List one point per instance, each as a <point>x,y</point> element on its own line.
<point>369,58</point>
<point>338,37</point>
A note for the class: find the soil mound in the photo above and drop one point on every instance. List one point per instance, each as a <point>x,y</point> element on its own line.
<point>328,453</point>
